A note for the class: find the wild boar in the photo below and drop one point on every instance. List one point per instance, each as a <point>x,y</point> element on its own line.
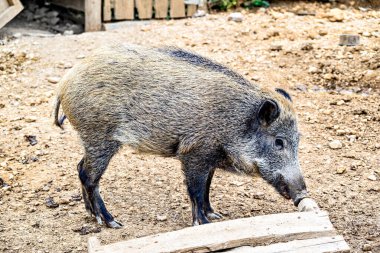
<point>172,102</point>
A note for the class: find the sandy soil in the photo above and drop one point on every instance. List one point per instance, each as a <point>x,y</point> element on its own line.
<point>146,193</point>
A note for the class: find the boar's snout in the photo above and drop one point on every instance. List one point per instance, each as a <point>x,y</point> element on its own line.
<point>291,187</point>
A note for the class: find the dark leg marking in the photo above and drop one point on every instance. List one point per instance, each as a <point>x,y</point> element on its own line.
<point>91,168</point>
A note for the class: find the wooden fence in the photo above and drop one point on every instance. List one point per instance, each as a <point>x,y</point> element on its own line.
<point>147,9</point>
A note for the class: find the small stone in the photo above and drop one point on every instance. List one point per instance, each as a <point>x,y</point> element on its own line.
<point>64,201</point>
<point>236,16</point>
<point>275,47</point>
<point>53,79</point>
<point>340,170</point>
<point>49,202</point>
<point>366,247</point>
<point>335,15</point>
<point>313,70</point>
<point>80,56</point>
<point>335,144</point>
<point>30,119</point>
<point>372,177</point>
<point>322,32</point>
<point>307,205</point>
<point>340,102</point>
<point>307,47</point>
<point>366,34</point>
<point>68,32</point>
<point>161,217</point>
<point>349,40</point>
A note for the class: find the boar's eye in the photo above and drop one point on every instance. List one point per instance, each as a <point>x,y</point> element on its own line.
<point>279,144</point>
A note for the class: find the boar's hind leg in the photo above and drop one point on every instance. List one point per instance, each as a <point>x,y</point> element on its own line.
<point>208,210</point>
<point>196,172</point>
<point>91,168</point>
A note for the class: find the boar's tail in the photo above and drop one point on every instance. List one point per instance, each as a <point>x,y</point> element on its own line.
<point>58,121</point>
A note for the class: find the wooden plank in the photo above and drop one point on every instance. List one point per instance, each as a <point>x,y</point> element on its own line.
<point>73,4</point>
<point>3,5</point>
<point>14,8</point>
<point>92,244</point>
<point>191,9</point>
<point>316,245</point>
<point>124,9</point>
<point>93,15</point>
<point>230,234</point>
<point>107,14</point>
<point>144,9</point>
<point>161,8</point>
<point>177,9</point>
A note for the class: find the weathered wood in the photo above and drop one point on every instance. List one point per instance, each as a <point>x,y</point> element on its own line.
<point>177,9</point>
<point>316,245</point>
<point>124,9</point>
<point>144,9</point>
<point>107,14</point>
<point>3,5</point>
<point>191,9</point>
<point>73,4</point>
<point>161,8</point>
<point>9,10</point>
<point>92,244</point>
<point>230,234</point>
<point>93,15</point>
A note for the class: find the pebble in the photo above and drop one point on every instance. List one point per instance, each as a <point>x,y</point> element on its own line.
<point>80,56</point>
<point>366,247</point>
<point>340,102</point>
<point>161,217</point>
<point>335,15</point>
<point>312,70</point>
<point>236,16</point>
<point>275,47</point>
<point>335,144</point>
<point>53,79</point>
<point>307,205</point>
<point>30,119</point>
<point>340,170</point>
<point>372,177</point>
<point>49,202</point>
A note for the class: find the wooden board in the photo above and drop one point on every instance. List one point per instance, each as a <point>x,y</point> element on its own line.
<point>144,9</point>
<point>229,234</point>
<point>3,5</point>
<point>161,8</point>
<point>316,245</point>
<point>107,14</point>
<point>8,10</point>
<point>73,4</point>
<point>124,9</point>
<point>93,15</point>
<point>191,9</point>
<point>177,9</point>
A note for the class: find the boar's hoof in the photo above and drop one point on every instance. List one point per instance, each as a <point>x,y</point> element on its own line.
<point>214,216</point>
<point>114,224</point>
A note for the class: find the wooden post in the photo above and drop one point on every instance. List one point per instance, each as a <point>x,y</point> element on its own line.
<point>124,9</point>
<point>177,9</point>
<point>93,15</point>
<point>161,8</point>
<point>8,10</point>
<point>144,8</point>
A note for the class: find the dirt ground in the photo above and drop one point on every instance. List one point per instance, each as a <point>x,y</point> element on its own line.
<point>336,95</point>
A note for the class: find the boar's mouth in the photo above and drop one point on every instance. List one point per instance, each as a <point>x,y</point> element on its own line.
<point>283,189</point>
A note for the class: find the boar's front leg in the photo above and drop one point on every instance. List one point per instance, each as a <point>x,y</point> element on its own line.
<point>197,170</point>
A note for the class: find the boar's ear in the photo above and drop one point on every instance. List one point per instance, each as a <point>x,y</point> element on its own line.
<point>284,93</point>
<point>268,112</point>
